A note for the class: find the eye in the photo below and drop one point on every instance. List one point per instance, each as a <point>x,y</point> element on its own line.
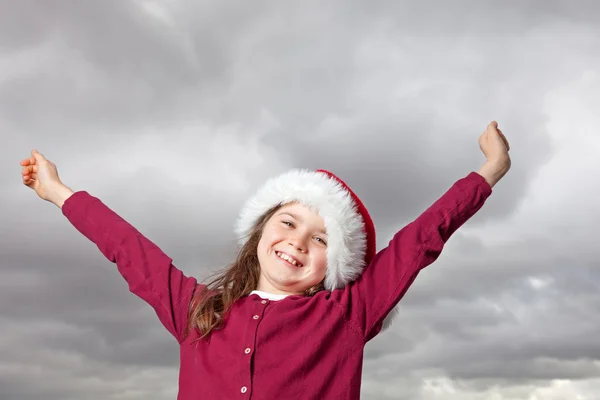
<point>288,223</point>
<point>318,239</point>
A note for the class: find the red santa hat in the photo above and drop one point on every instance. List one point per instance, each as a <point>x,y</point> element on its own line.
<point>350,229</point>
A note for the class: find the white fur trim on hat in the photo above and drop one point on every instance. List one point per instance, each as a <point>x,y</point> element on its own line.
<point>346,243</point>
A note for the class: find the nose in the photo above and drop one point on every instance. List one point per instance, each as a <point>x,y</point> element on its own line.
<point>298,244</point>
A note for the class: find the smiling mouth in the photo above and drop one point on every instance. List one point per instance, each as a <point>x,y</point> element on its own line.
<point>288,259</point>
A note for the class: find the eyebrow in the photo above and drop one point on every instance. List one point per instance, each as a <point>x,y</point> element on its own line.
<point>297,217</point>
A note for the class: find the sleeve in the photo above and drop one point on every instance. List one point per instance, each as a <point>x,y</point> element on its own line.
<point>368,300</point>
<point>148,271</point>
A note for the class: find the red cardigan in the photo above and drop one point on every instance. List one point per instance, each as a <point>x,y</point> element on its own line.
<point>295,348</point>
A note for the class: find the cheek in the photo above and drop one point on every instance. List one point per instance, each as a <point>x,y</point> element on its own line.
<point>263,245</point>
<point>268,239</point>
<point>269,234</point>
<point>321,264</point>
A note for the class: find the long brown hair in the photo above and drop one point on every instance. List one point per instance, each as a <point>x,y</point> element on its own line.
<point>210,305</point>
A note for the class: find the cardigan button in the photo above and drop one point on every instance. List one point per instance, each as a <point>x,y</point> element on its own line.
<point>256,317</point>
<point>247,351</point>
<point>264,302</point>
<point>244,389</point>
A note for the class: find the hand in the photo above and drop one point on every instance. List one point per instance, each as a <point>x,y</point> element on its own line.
<point>41,175</point>
<point>494,146</point>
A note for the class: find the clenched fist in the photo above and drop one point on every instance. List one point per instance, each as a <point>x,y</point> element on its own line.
<point>41,175</point>
<point>495,147</point>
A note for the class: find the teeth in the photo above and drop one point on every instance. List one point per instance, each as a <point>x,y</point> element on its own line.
<point>289,259</point>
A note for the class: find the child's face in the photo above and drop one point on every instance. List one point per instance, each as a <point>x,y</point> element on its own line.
<point>295,231</point>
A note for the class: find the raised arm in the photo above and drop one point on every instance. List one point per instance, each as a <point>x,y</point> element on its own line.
<point>371,298</point>
<point>149,272</point>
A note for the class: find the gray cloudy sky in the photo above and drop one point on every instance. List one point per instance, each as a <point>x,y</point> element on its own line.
<point>172,112</point>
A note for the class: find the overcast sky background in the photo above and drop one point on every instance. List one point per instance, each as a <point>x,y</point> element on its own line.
<point>173,112</point>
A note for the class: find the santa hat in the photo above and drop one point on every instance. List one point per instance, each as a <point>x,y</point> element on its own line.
<point>350,229</point>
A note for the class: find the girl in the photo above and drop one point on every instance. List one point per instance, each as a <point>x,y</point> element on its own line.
<point>290,317</point>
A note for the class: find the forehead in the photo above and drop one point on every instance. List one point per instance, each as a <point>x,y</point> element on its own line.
<point>302,213</point>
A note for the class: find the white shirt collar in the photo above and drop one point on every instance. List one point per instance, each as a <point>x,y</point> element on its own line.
<point>269,296</point>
